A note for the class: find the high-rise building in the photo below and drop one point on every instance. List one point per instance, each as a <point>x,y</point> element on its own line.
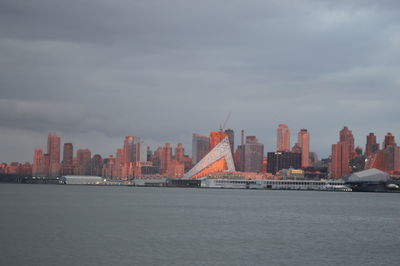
<point>156,159</point>
<point>283,138</point>
<point>339,165</point>
<point>200,147</point>
<point>141,151</point>
<point>129,150</point>
<point>250,155</point>
<point>84,157</point>
<point>238,157</point>
<point>347,136</point>
<point>133,151</point>
<point>182,158</point>
<point>46,167</point>
<point>179,152</point>
<point>68,159</point>
<point>371,146</point>
<point>166,157</point>
<point>389,140</point>
<point>253,154</point>
<point>397,159</point>
<point>279,160</point>
<point>304,143</point>
<point>38,163</point>
<point>96,165</point>
<point>231,137</point>
<point>387,159</point>
<point>53,150</point>
<point>119,157</point>
<point>216,137</point>
<point>108,167</point>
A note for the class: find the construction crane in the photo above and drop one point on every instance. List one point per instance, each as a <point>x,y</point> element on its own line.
<point>222,127</point>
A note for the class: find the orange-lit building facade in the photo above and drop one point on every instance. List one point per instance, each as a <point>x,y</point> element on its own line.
<point>304,144</point>
<point>216,137</point>
<point>283,138</point>
<point>389,140</point>
<point>175,169</point>
<point>346,135</point>
<point>218,159</point>
<point>371,145</point>
<point>218,166</point>
<point>16,168</point>
<point>387,159</point>
<point>339,165</point>
<point>38,163</point>
<point>68,159</point>
<point>53,151</point>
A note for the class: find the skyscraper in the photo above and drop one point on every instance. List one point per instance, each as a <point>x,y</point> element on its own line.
<point>253,154</point>
<point>96,166</point>
<point>46,164</point>
<point>371,146</point>
<point>250,155</point>
<point>304,143</point>
<point>119,157</point>
<point>179,152</point>
<point>84,157</point>
<point>166,157</point>
<point>53,151</point>
<point>200,147</point>
<point>108,170</point>
<point>347,136</point>
<point>339,165</point>
<point>133,151</point>
<point>231,137</point>
<point>389,140</point>
<point>182,158</point>
<point>283,138</point>
<point>68,156</point>
<point>141,151</point>
<point>38,163</point>
<point>129,150</point>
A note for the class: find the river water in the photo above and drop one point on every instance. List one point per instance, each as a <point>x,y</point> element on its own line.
<point>94,225</point>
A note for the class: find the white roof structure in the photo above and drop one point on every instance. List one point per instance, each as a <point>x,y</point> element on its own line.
<point>78,179</point>
<point>369,175</point>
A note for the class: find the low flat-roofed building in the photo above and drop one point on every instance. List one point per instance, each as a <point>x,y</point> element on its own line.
<point>81,180</point>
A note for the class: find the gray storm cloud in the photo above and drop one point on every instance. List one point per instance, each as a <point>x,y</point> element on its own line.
<point>95,71</point>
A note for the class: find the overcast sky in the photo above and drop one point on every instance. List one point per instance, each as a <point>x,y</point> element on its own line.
<point>94,71</point>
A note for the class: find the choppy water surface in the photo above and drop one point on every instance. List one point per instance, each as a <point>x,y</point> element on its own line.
<point>83,225</point>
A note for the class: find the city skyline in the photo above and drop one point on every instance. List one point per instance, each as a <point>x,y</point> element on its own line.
<point>189,147</point>
<point>97,72</point>
<point>135,159</point>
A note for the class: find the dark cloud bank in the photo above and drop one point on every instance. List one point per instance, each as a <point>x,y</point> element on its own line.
<point>95,71</point>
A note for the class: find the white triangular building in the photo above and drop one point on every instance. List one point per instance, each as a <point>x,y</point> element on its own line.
<point>217,160</point>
